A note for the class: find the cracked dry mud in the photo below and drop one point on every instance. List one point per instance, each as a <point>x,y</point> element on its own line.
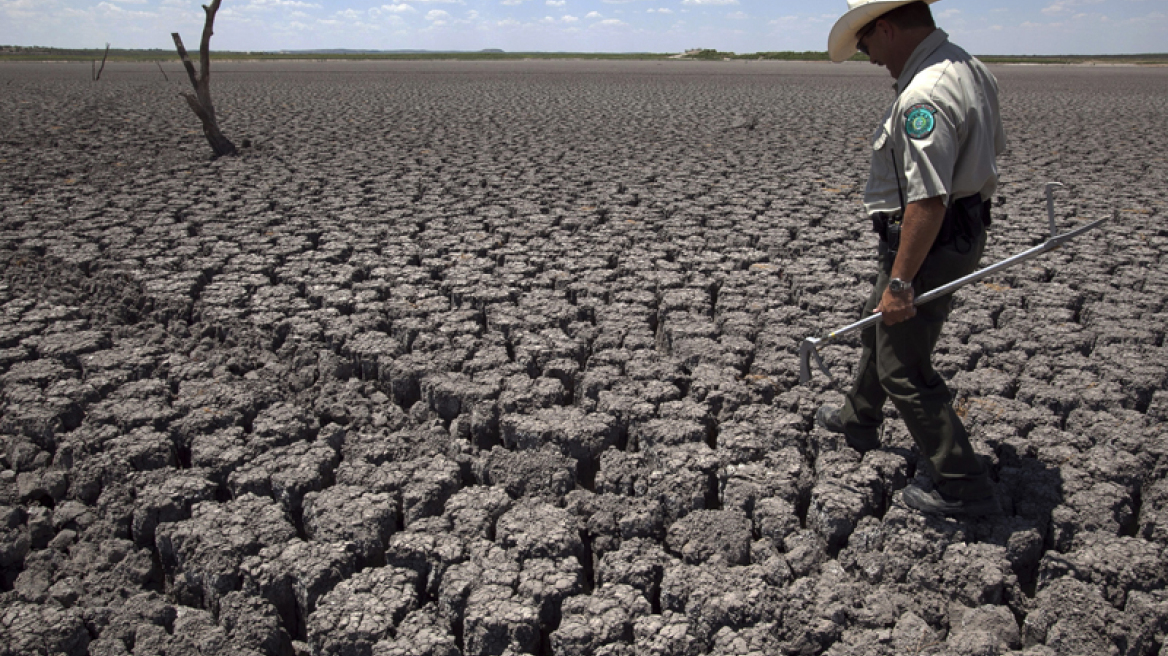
<point>500,358</point>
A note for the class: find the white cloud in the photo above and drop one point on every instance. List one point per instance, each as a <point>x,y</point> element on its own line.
<point>661,10</point>
<point>569,19</point>
<point>696,3</point>
<point>611,22</point>
<point>280,4</point>
<point>1059,6</point>
<point>556,3</point>
<point>437,15</point>
<point>398,9</point>
<point>737,15</point>
<point>594,15</point>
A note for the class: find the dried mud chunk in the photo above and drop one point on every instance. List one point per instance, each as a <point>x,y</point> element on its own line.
<point>666,432</point>
<point>581,436</point>
<point>544,473</point>
<point>1033,488</point>
<point>847,491</point>
<point>1146,616</point>
<point>784,474</point>
<point>748,641</point>
<point>230,397</point>
<point>118,626</point>
<point>547,582</point>
<point>423,632</point>
<point>523,394</point>
<point>452,394</point>
<point>711,536</point>
<point>286,474</point>
<point>1072,617</point>
<point>281,424</point>
<point>371,353</point>
<point>1103,507</point>
<point>911,633</point>
<point>972,574</point>
<point>609,519</point>
<point>1154,513</point>
<point>15,544</point>
<point>42,630</point>
<point>536,529</point>
<point>496,621</point>
<point>362,611</point>
<point>431,482</point>
<point>221,452</point>
<point>775,519</point>
<point>345,513</point>
<point>667,634</point>
<point>716,596</point>
<point>640,563</point>
<point>69,347</point>
<point>429,548</point>
<point>473,511</point>
<point>487,564</point>
<point>193,631</point>
<point>168,501</point>
<point>754,431</point>
<point>128,413</point>
<point>1116,564</point>
<point>201,556</point>
<point>253,623</point>
<point>295,575</point>
<point>46,486</point>
<point>681,478</point>
<point>602,618</point>
<point>984,630</point>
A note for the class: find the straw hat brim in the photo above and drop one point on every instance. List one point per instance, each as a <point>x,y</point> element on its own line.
<point>841,44</point>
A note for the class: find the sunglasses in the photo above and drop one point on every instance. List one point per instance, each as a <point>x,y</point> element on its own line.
<point>860,45</point>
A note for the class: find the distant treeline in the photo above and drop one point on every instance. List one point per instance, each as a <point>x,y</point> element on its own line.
<point>35,53</point>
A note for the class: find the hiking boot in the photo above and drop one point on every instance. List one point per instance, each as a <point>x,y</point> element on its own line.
<point>828,417</point>
<point>935,502</point>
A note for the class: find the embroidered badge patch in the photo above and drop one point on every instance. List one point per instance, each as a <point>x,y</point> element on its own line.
<point>919,121</point>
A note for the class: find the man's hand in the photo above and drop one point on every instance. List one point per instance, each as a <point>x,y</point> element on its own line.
<point>896,307</point>
<point>919,228</point>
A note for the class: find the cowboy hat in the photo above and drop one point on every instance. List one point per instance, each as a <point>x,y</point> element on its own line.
<point>841,44</point>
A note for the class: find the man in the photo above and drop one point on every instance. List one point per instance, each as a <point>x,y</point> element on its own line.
<point>932,175</point>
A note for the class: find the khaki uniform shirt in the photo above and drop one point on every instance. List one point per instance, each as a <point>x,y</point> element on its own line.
<point>943,133</point>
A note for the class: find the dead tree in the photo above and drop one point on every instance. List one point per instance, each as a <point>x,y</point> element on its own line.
<point>200,100</point>
<point>97,71</point>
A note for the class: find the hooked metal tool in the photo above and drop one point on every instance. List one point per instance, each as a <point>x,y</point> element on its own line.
<point>810,348</point>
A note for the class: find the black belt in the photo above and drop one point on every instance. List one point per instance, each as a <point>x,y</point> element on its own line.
<point>964,218</point>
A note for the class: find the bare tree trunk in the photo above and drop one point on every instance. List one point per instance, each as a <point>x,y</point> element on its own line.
<point>97,75</point>
<point>200,100</point>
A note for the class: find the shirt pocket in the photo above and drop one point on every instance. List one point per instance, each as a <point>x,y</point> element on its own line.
<point>883,192</point>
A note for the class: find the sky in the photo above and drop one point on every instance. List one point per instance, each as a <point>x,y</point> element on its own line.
<point>987,27</point>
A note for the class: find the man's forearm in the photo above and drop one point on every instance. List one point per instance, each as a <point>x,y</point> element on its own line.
<point>918,230</point>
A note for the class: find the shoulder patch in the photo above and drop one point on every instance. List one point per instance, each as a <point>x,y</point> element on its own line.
<point>919,121</point>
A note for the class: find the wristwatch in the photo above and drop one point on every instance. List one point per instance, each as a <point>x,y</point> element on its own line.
<point>898,286</point>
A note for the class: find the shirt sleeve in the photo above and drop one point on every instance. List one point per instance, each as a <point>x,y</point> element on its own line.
<point>926,138</point>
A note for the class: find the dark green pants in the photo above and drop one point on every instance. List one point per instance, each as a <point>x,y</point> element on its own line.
<point>896,364</point>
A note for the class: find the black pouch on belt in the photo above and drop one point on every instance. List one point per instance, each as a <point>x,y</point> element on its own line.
<point>964,221</point>
<point>888,227</point>
<point>892,232</point>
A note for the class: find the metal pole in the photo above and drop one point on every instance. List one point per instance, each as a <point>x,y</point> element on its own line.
<point>810,347</point>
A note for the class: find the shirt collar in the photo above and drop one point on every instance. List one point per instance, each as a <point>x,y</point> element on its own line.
<point>919,56</point>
